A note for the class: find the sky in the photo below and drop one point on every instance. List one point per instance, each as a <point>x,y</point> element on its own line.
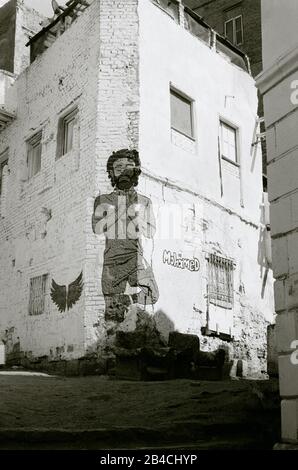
<point>44,6</point>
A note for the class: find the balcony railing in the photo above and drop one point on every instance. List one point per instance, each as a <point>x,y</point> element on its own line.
<point>8,101</point>
<point>193,23</point>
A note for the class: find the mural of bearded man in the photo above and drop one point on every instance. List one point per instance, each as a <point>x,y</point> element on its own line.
<point>124,217</point>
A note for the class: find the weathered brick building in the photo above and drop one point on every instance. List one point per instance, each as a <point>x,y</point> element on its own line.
<point>101,79</point>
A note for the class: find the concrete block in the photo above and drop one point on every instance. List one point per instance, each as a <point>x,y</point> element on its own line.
<point>294,211</point>
<point>281,216</point>
<point>277,102</point>
<point>288,376</point>
<point>271,144</point>
<point>280,295</point>
<point>286,330</point>
<point>280,256</point>
<point>283,175</point>
<point>293,252</point>
<point>289,420</point>
<point>286,133</point>
<point>291,291</point>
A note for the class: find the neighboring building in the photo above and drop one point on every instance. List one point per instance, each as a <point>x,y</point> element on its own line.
<point>17,24</point>
<point>278,85</point>
<point>102,79</point>
<point>240,22</point>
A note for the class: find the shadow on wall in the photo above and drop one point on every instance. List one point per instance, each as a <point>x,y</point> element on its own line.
<point>147,347</point>
<point>164,324</point>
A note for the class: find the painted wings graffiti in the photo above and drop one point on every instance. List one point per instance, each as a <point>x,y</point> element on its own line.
<point>65,297</point>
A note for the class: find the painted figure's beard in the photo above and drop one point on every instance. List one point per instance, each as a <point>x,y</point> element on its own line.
<point>126,180</point>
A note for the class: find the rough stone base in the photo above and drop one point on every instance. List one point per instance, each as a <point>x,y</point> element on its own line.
<point>76,367</point>
<point>284,446</point>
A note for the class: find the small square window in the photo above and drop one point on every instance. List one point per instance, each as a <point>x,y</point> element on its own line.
<point>34,154</point>
<point>38,287</point>
<point>66,133</point>
<point>228,142</point>
<point>182,114</point>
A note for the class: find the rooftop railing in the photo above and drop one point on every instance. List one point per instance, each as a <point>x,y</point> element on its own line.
<point>193,23</point>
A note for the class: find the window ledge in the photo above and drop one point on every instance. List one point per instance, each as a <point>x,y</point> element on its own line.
<point>184,134</point>
<point>221,304</point>
<point>223,336</point>
<point>73,151</point>
<point>230,161</point>
<point>30,181</point>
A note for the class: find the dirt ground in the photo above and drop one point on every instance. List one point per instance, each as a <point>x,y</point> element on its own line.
<point>101,412</point>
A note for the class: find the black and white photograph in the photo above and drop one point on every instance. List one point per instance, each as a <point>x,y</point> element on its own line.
<point>148,229</point>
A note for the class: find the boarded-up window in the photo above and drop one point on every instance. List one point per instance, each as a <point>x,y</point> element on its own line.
<point>34,154</point>
<point>66,132</point>
<point>38,286</point>
<point>220,281</point>
<point>181,113</point>
<point>228,142</point>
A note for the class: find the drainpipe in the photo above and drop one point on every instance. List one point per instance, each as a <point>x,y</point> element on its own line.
<point>181,13</point>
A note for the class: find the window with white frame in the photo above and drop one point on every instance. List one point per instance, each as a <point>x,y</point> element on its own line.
<point>66,132</point>
<point>3,166</point>
<point>220,281</point>
<point>34,154</point>
<point>228,142</point>
<point>182,113</point>
<point>38,288</point>
<point>234,30</point>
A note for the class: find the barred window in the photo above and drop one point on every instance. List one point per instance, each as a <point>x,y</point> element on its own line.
<point>37,294</point>
<point>220,281</point>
